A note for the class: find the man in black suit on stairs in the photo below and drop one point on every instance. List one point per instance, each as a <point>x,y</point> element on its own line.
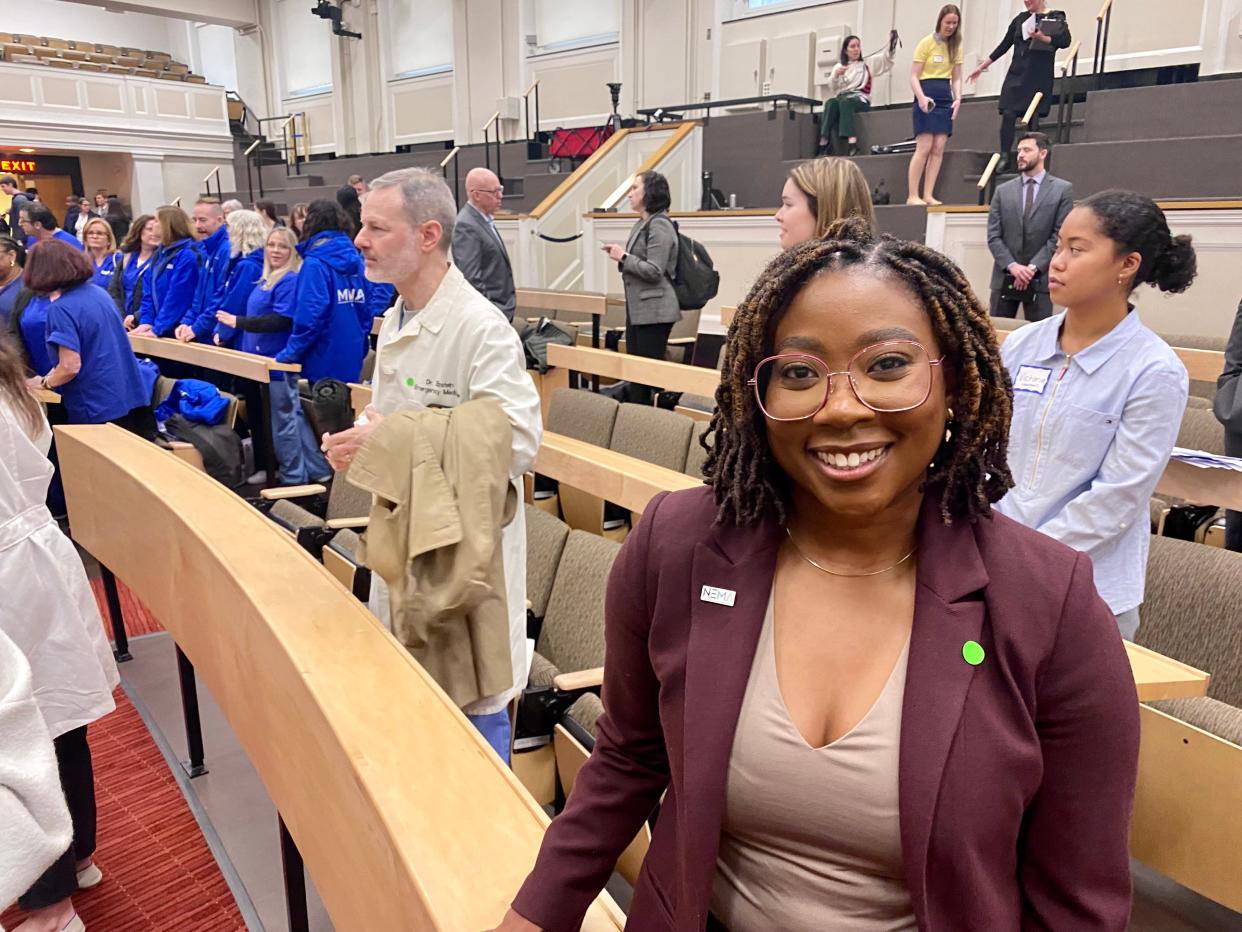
<point>1023,222</point>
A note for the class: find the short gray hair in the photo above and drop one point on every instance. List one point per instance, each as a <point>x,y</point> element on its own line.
<point>231,204</point>
<point>426,197</point>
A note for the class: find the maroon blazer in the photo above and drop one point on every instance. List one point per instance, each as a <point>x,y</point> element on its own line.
<point>1016,776</point>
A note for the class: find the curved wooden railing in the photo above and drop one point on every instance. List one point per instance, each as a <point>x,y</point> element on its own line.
<point>405,818</point>
<point>649,164</point>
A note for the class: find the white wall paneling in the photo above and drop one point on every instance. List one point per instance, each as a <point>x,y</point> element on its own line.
<point>1207,307</point>
<point>419,36</point>
<point>740,246</point>
<point>320,122</point>
<point>305,43</point>
<point>72,110</point>
<point>421,109</point>
<point>573,86</point>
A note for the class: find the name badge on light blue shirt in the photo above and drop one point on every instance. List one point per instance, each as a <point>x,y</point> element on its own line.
<point>1033,379</point>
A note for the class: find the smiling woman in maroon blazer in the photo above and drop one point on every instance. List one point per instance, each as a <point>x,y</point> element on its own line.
<point>873,703</point>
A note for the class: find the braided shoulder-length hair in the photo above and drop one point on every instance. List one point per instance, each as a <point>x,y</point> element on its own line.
<point>971,470</point>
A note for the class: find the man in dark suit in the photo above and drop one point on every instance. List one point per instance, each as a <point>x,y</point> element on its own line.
<point>478,250</point>
<point>1026,214</point>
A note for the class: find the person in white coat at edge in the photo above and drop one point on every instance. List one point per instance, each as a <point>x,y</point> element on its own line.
<point>440,345</point>
<point>36,822</point>
<point>50,613</point>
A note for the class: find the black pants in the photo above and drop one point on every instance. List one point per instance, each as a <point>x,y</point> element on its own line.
<point>650,340</point>
<point>1008,130</point>
<point>1036,305</point>
<point>77,779</point>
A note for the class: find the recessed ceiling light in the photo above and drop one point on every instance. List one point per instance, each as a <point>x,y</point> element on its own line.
<point>27,150</point>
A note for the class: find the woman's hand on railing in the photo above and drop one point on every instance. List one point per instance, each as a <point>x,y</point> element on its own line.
<point>516,923</point>
<point>224,317</point>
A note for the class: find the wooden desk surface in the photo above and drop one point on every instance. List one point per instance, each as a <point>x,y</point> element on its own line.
<point>671,376</point>
<point>233,362</point>
<point>47,396</point>
<point>539,299</point>
<point>1160,677</point>
<point>615,477</point>
<point>404,816</point>
<point>727,313</point>
<point>1213,486</point>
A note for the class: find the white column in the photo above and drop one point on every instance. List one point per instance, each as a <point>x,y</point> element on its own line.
<point>147,183</point>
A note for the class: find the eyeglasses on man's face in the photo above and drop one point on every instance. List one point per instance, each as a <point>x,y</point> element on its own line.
<point>887,377</point>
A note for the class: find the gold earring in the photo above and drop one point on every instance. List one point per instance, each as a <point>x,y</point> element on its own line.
<point>948,431</point>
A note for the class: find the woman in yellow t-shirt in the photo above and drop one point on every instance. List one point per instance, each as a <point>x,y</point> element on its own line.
<point>936,79</point>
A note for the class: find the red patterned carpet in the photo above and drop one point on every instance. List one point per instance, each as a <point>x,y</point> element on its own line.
<point>159,874</point>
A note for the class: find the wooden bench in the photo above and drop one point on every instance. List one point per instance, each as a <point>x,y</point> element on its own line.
<point>404,816</point>
<point>1212,486</point>
<point>1201,365</point>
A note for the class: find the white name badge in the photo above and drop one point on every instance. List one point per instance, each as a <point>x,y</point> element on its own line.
<point>1033,379</point>
<point>938,59</point>
<point>718,596</point>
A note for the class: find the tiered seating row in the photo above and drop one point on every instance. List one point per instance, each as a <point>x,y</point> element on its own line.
<point>93,56</point>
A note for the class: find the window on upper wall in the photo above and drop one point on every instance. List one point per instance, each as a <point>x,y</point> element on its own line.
<point>562,25</point>
<point>305,43</point>
<point>740,9</point>
<point>420,37</point>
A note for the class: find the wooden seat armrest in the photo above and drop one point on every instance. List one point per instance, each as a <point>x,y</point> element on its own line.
<point>293,491</point>
<point>682,341</point>
<point>580,680</point>
<point>178,444</point>
<point>337,524</point>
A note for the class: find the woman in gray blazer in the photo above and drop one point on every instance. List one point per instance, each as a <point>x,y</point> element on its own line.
<point>1228,408</point>
<point>648,262</point>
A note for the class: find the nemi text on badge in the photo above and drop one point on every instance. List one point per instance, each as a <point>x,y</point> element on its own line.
<point>719,596</point>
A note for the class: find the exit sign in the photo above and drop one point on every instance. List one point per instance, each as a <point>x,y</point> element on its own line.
<point>19,166</point>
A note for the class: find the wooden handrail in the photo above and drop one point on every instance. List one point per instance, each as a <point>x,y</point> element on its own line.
<point>986,177</point>
<point>1103,10</point>
<point>533,84</point>
<point>1070,56</point>
<point>215,171</point>
<point>176,201</point>
<point>650,163</point>
<point>495,118</point>
<point>579,173</point>
<point>254,145</point>
<point>47,396</point>
<point>727,313</point>
<point>217,358</point>
<point>404,816</point>
<point>1030,111</point>
<point>1165,205</point>
<point>448,158</point>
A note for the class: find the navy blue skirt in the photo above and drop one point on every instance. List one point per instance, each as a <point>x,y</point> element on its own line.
<point>940,120</point>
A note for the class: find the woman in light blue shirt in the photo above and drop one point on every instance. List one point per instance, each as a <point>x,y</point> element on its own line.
<point>1098,397</point>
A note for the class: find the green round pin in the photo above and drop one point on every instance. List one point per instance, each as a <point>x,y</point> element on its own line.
<point>410,381</point>
<point>972,653</point>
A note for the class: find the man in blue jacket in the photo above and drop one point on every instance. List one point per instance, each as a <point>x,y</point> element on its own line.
<point>200,321</point>
<point>331,318</point>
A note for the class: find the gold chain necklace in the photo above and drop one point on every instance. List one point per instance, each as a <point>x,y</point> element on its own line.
<point>824,569</point>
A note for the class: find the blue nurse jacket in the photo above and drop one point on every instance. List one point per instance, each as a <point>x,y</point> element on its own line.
<point>212,281</point>
<point>279,300</point>
<point>243,275</point>
<point>169,285</point>
<point>331,320</point>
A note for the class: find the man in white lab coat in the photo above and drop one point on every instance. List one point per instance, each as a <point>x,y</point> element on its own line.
<point>442,344</point>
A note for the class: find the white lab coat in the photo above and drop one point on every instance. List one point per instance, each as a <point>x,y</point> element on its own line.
<point>458,348</point>
<point>33,813</point>
<point>47,607</point>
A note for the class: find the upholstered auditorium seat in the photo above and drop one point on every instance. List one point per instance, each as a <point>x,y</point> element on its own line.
<point>291,507</point>
<point>545,541</point>
<point>572,636</point>
<point>1191,613</point>
<point>696,455</point>
<point>584,416</point>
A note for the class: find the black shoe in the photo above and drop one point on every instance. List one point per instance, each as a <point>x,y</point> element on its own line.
<point>853,151</point>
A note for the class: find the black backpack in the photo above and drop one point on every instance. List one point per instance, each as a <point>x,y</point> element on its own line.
<point>696,280</point>
<point>535,339</point>
<point>219,446</point>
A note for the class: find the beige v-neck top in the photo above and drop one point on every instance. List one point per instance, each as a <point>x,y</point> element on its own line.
<point>811,837</point>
